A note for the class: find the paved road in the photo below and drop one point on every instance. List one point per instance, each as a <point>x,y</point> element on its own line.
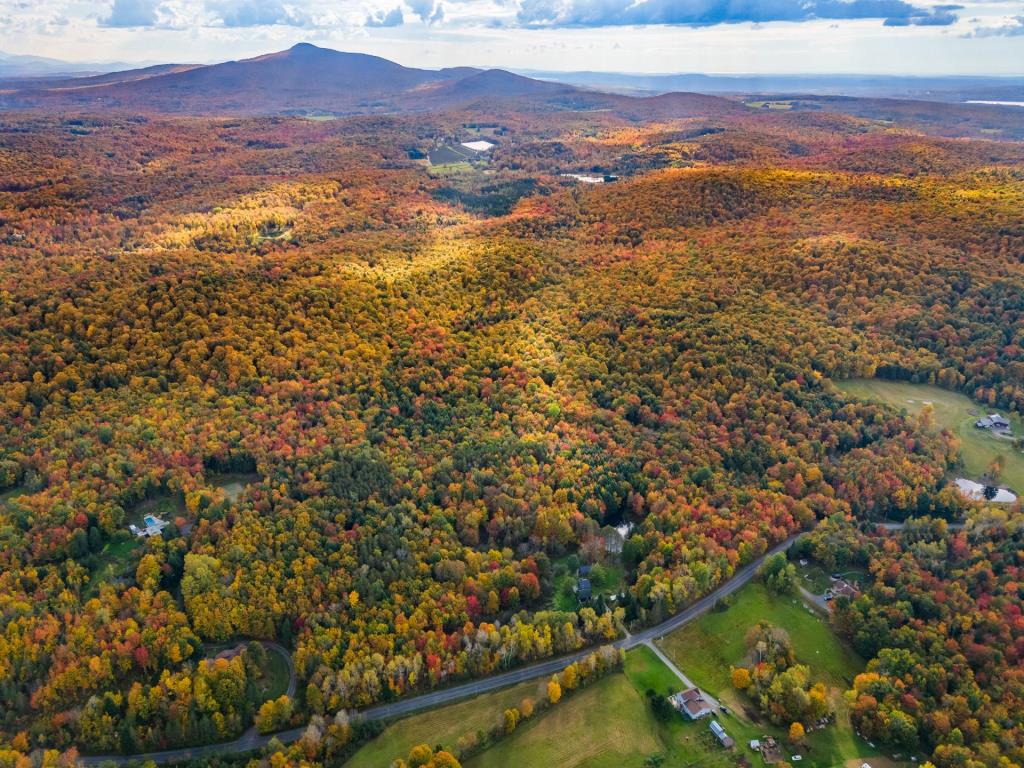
<point>251,740</point>
<point>901,526</point>
<point>818,601</point>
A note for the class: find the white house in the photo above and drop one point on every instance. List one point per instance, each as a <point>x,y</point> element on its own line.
<point>154,526</point>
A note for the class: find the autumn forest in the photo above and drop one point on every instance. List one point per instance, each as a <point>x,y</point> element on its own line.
<point>379,402</point>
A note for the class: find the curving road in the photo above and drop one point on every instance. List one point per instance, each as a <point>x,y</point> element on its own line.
<point>251,740</point>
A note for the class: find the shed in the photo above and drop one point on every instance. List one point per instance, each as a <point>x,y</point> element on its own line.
<point>723,737</point>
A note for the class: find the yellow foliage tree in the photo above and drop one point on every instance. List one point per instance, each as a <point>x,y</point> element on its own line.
<point>796,733</point>
<point>740,678</point>
<point>554,691</point>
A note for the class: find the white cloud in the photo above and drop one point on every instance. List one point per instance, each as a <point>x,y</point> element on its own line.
<point>392,18</point>
<point>258,13</point>
<point>132,13</point>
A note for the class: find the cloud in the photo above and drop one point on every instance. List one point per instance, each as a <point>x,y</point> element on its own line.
<point>429,11</point>
<point>256,13</point>
<point>393,18</point>
<point>607,13</point>
<point>1015,28</point>
<point>132,13</point>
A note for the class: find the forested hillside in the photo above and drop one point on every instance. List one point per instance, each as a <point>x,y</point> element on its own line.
<point>431,405</point>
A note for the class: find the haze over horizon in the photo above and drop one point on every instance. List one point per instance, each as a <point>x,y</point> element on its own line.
<point>899,37</point>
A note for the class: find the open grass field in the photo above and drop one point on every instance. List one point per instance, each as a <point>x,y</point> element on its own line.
<point>450,169</point>
<point>707,649</point>
<point>953,411</point>
<point>115,561</point>
<point>607,579</point>
<point>606,725</point>
<point>646,671</point>
<point>445,725</point>
<point>611,724</point>
<point>274,682</point>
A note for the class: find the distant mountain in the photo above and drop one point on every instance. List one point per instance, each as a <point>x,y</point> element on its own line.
<point>307,79</point>
<point>304,78</point>
<point>953,89</point>
<point>17,66</point>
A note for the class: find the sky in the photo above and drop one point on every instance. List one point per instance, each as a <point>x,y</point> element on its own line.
<point>667,36</point>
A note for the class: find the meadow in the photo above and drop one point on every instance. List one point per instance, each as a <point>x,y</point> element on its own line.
<point>444,726</point>
<point>955,412</point>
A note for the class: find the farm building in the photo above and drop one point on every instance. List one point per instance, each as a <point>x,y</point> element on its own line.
<point>993,421</point>
<point>723,737</point>
<point>478,146</point>
<point>691,703</point>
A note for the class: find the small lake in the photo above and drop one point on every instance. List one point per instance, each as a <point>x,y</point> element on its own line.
<point>996,103</point>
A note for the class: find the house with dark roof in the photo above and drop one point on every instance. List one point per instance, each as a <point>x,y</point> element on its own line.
<point>993,421</point>
<point>583,590</point>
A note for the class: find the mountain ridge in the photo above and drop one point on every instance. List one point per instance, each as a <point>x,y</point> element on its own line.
<point>309,79</point>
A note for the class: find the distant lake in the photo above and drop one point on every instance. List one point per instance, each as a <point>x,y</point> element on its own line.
<point>997,103</point>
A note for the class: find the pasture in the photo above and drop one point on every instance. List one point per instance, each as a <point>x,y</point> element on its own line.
<point>955,412</point>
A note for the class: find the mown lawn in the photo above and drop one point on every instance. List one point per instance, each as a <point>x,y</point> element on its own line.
<point>444,726</point>
<point>274,682</point>
<point>707,649</point>
<point>953,412</point>
<point>646,671</point>
<point>606,725</point>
